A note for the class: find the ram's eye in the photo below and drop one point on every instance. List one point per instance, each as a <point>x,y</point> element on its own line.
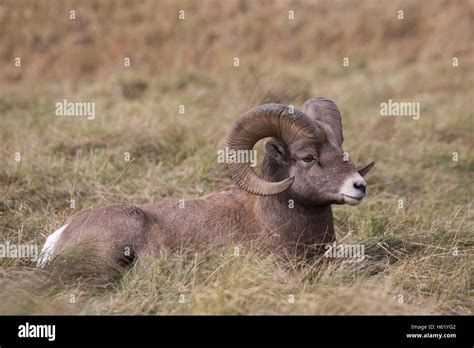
<point>308,158</point>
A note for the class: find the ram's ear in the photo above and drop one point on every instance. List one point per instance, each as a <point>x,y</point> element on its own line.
<point>366,169</point>
<point>277,150</point>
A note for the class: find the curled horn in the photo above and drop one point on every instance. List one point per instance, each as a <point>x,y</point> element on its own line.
<point>326,111</point>
<point>268,120</point>
<point>366,169</point>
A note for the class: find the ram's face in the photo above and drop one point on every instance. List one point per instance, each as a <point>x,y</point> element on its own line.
<point>322,174</point>
<point>304,156</point>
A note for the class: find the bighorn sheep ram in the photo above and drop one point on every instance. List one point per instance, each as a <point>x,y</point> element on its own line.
<point>288,206</point>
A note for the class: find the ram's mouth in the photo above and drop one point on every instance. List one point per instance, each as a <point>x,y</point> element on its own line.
<point>352,200</point>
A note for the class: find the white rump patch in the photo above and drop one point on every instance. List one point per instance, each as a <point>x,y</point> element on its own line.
<point>47,253</point>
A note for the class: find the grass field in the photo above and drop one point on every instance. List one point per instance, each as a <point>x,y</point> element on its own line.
<point>419,256</point>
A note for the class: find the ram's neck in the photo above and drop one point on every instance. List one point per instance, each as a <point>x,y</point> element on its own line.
<point>286,223</point>
<point>289,223</point>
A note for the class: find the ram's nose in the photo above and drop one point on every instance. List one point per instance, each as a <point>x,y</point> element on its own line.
<point>360,185</point>
<point>354,189</point>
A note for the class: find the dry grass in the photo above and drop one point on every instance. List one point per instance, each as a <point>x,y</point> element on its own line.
<point>409,251</point>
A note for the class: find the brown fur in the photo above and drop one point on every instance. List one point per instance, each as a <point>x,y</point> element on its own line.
<point>297,221</point>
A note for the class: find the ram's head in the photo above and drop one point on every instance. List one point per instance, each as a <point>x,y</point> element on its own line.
<point>304,155</point>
